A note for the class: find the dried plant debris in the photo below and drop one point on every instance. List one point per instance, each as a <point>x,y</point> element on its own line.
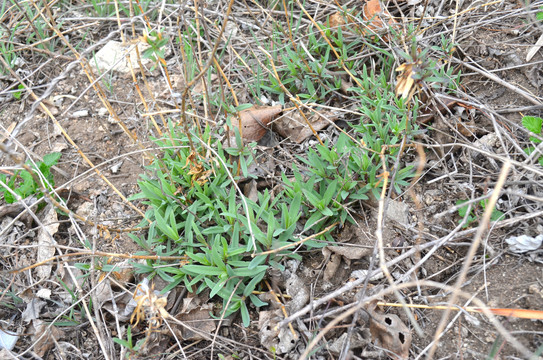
<point>44,336</point>
<point>390,333</point>
<point>46,243</point>
<point>255,120</point>
<point>196,320</point>
<point>294,126</point>
<point>298,291</point>
<point>273,337</point>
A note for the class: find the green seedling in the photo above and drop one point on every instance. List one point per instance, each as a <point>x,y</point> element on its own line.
<point>155,52</point>
<point>534,125</point>
<point>23,184</point>
<point>132,349</point>
<point>474,213</point>
<point>17,94</point>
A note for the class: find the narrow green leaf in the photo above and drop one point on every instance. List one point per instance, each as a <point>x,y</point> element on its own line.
<point>202,270</point>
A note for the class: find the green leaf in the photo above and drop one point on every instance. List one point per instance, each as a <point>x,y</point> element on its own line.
<point>532,124</point>
<point>122,342</point>
<point>463,210</point>
<point>250,272</point>
<point>217,287</point>
<point>51,159</point>
<point>257,261</point>
<point>163,226</point>
<point>245,315</point>
<point>256,301</point>
<point>330,191</point>
<point>327,212</point>
<point>253,283</point>
<point>202,270</point>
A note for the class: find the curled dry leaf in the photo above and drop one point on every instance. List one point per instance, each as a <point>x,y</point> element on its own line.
<point>389,332</point>
<point>405,84</point>
<point>255,120</point>
<point>295,128</point>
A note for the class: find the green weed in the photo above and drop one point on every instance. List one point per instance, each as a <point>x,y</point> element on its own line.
<point>22,183</point>
<point>475,213</point>
<point>533,124</point>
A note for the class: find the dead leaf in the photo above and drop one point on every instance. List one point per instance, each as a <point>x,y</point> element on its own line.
<point>390,333</point>
<point>44,336</point>
<point>375,13</point>
<point>33,309</point>
<point>250,191</point>
<point>9,130</point>
<point>331,266</point>
<point>46,243</point>
<point>336,20</point>
<point>405,84</point>
<point>295,128</point>
<point>199,324</point>
<point>199,88</point>
<point>350,252</point>
<point>255,120</point>
<point>298,291</point>
<point>428,112</point>
<point>280,339</point>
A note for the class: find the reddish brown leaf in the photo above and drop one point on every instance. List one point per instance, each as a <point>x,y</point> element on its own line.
<point>255,120</point>
<point>374,12</point>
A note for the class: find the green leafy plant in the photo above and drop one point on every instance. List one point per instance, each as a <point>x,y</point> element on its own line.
<point>17,94</point>
<point>155,52</point>
<point>539,14</point>
<point>132,349</point>
<point>475,212</point>
<point>534,125</point>
<point>22,182</point>
<point>196,211</point>
<point>195,207</point>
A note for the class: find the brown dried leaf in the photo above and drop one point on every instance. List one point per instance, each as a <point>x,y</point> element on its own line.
<point>336,20</point>
<point>255,120</point>
<point>250,191</point>
<point>199,324</point>
<point>389,332</point>
<point>405,84</point>
<point>44,336</point>
<point>199,88</point>
<point>374,12</point>
<point>295,128</point>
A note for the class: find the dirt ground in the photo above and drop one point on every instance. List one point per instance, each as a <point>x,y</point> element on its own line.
<point>494,40</point>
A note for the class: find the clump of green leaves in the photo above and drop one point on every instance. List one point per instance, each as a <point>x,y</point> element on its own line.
<point>476,212</point>
<point>533,124</point>
<point>196,212</point>
<point>156,51</point>
<point>22,183</point>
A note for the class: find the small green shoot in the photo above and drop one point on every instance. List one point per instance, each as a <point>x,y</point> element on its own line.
<point>17,94</point>
<point>533,124</point>
<point>473,214</point>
